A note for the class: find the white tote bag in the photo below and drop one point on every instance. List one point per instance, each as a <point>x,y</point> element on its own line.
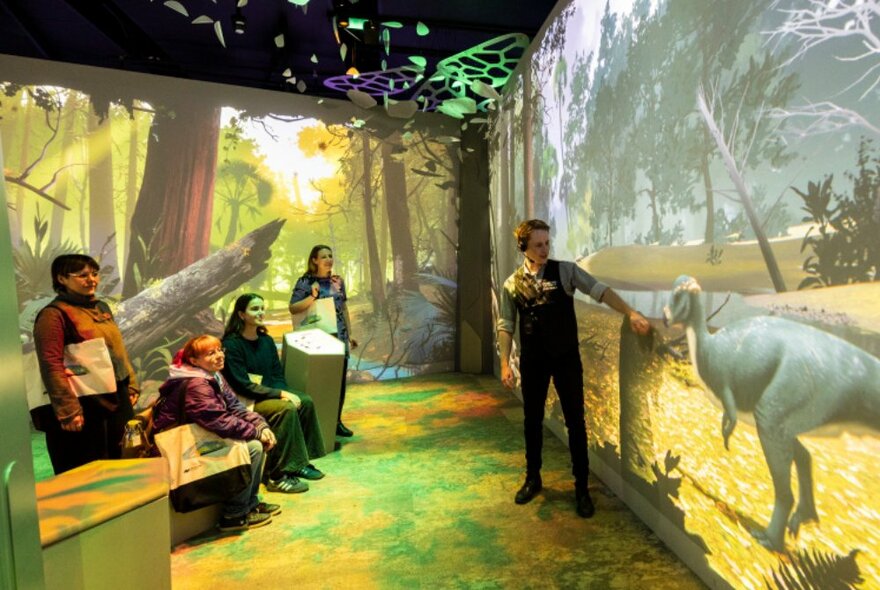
<point>205,468</point>
<point>92,369</point>
<point>320,314</point>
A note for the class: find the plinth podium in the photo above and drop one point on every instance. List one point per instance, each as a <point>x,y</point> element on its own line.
<point>313,362</point>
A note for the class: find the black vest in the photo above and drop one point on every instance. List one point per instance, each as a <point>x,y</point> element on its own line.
<point>547,322</point>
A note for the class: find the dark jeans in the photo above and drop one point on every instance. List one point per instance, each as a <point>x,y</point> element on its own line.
<point>342,389</point>
<point>568,378</point>
<point>298,434</point>
<point>100,438</point>
<point>247,499</point>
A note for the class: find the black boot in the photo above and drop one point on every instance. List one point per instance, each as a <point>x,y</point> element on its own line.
<point>529,489</point>
<point>342,430</point>
<point>585,508</point>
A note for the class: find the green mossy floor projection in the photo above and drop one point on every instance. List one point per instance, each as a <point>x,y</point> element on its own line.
<point>422,497</point>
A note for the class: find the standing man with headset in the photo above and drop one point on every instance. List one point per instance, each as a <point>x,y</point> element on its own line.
<point>540,293</point>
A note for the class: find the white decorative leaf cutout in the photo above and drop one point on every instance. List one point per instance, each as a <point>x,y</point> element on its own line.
<point>403,109</point>
<point>301,86</point>
<point>361,99</point>
<point>480,88</point>
<point>314,58</point>
<point>279,41</point>
<point>177,7</point>
<point>218,29</point>
<point>242,3</point>
<point>287,73</point>
<point>203,20</point>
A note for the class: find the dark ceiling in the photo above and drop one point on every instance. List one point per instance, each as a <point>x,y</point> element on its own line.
<point>155,36</point>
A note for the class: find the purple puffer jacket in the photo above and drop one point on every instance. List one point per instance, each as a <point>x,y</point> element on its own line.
<point>210,403</point>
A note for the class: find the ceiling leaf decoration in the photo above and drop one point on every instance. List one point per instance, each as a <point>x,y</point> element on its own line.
<point>218,30</point>
<point>491,62</point>
<point>378,83</point>
<point>401,109</point>
<point>177,7</point>
<point>361,99</point>
<point>203,20</point>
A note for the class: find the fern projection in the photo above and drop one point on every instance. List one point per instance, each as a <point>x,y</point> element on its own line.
<point>814,570</point>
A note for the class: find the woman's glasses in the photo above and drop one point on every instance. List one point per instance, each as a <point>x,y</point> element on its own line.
<point>93,274</point>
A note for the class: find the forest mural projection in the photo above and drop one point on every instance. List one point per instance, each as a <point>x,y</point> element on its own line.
<point>720,159</point>
<point>190,194</point>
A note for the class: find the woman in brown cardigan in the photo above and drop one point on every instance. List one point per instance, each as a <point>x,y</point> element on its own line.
<point>80,429</point>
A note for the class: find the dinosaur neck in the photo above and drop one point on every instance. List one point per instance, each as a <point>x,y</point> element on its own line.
<point>698,326</point>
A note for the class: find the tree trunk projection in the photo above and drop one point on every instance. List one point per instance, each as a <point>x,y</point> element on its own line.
<point>168,229</point>
<point>402,250</point>
<point>377,287</point>
<point>744,197</point>
<point>102,225</point>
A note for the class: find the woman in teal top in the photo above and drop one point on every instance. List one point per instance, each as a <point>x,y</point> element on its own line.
<point>253,371</point>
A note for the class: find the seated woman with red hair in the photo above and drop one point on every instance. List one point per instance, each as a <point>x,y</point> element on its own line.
<point>194,380</point>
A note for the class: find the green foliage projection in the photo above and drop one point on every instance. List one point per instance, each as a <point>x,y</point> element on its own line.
<point>844,245</point>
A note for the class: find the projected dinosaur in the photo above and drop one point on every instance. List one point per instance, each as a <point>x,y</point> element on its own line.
<point>793,378</point>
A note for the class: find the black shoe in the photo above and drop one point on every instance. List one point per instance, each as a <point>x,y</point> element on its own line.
<point>251,520</point>
<point>585,508</point>
<point>266,508</point>
<point>342,430</point>
<point>308,472</point>
<point>528,490</point>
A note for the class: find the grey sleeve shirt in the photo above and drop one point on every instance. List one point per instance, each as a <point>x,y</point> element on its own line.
<point>572,278</point>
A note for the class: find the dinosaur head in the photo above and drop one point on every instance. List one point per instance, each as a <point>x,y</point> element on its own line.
<point>679,307</point>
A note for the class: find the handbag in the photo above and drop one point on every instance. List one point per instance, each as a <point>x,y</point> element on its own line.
<point>88,364</point>
<point>205,468</point>
<point>320,314</point>
<point>92,369</point>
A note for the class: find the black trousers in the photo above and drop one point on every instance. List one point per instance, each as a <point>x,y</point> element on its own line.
<point>297,432</point>
<point>100,438</point>
<point>342,388</point>
<point>536,370</point>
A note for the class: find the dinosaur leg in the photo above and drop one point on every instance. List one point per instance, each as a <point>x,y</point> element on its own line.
<point>806,506</point>
<point>779,453</point>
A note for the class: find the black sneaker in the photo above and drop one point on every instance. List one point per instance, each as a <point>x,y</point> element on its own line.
<point>343,430</point>
<point>251,520</point>
<point>266,508</point>
<point>308,472</point>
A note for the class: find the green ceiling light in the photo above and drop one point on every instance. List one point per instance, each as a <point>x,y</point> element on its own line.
<point>356,24</point>
<point>422,29</point>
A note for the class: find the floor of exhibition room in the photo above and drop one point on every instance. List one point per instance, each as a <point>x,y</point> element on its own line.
<point>422,497</point>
